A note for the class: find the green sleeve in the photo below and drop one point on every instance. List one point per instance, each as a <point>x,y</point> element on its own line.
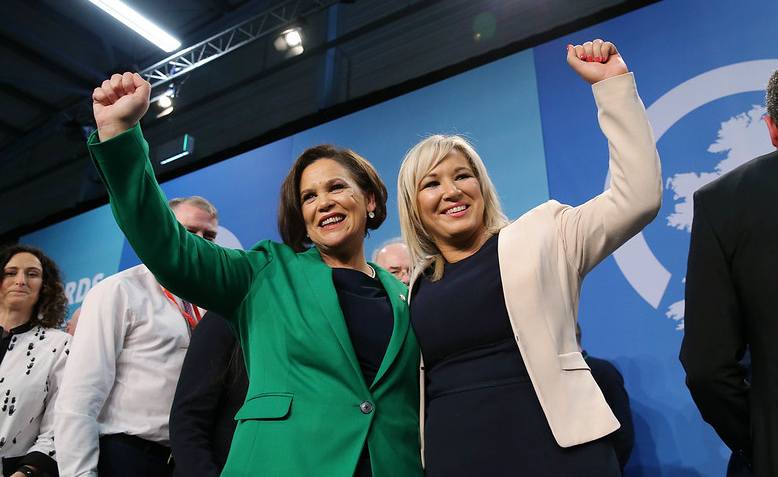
<point>213,277</point>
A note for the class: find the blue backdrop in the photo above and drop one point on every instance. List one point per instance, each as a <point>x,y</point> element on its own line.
<point>701,67</point>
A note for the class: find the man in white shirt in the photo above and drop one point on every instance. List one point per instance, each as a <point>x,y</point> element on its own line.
<point>115,397</point>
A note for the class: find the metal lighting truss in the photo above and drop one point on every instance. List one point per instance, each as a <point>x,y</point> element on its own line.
<point>275,19</point>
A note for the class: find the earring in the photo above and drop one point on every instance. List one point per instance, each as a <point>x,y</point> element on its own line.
<point>371,214</point>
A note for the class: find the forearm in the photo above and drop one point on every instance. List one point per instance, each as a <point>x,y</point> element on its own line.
<point>596,228</point>
<point>184,263</point>
<point>635,172</point>
<point>77,444</point>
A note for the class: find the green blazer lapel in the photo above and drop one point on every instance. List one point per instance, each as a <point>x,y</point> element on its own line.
<point>398,298</point>
<point>319,277</point>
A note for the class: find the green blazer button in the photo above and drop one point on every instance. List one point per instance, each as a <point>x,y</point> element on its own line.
<point>366,407</point>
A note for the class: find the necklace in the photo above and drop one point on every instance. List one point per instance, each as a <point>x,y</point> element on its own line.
<point>372,271</point>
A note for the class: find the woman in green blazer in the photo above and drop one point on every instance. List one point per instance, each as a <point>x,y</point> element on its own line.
<point>332,391</point>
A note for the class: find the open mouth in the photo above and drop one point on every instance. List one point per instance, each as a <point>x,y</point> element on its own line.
<point>331,220</point>
<point>457,210</point>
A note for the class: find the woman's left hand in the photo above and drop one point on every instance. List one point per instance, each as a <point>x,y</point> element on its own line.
<point>596,60</point>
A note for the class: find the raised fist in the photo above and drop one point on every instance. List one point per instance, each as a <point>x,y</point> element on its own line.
<point>119,103</point>
<point>596,60</point>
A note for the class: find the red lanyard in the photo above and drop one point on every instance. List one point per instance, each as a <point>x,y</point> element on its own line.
<point>190,320</point>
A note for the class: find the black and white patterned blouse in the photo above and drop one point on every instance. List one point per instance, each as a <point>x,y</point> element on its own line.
<point>32,359</point>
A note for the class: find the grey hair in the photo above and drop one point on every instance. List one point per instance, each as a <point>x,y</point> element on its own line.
<point>391,241</point>
<point>771,96</point>
<point>197,201</point>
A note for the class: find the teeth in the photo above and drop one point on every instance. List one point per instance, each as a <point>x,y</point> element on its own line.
<point>332,220</point>
<point>456,209</point>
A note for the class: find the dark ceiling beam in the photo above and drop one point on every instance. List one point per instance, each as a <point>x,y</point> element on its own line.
<point>10,128</point>
<point>24,96</point>
<point>50,11</point>
<point>59,66</point>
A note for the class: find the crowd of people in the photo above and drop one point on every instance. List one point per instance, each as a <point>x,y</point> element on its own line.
<point>453,352</point>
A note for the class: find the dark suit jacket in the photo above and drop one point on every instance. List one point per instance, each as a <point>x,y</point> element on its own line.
<point>211,389</point>
<point>731,304</point>
<point>611,382</point>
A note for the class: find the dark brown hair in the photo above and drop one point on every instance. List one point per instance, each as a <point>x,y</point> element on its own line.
<point>52,304</point>
<point>291,225</point>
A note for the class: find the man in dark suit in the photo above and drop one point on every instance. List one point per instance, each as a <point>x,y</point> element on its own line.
<point>732,304</point>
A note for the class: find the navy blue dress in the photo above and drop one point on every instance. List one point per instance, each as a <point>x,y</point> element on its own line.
<point>482,415</point>
<point>368,314</point>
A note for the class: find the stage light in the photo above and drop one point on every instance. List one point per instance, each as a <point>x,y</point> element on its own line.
<point>140,24</point>
<point>292,37</point>
<point>290,40</point>
<point>165,112</point>
<point>165,102</point>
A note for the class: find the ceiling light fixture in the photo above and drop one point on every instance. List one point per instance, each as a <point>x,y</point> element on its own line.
<point>290,40</point>
<point>140,24</point>
<point>165,101</point>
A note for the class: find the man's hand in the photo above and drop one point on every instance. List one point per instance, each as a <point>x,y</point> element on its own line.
<point>119,103</point>
<point>596,60</point>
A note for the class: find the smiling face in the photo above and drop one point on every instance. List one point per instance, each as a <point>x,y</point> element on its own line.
<point>450,203</point>
<point>334,208</point>
<point>22,282</point>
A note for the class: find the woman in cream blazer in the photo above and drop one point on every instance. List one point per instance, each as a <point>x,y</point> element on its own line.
<point>483,288</point>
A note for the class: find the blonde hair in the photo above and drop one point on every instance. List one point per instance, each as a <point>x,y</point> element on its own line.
<point>421,159</point>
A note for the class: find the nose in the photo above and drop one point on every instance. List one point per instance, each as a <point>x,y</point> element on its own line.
<point>451,190</point>
<point>20,279</point>
<point>324,202</point>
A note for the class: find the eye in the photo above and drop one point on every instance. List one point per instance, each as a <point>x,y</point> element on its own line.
<point>430,184</point>
<point>337,187</point>
<point>463,175</point>
<point>33,274</point>
<point>9,273</point>
<point>308,197</point>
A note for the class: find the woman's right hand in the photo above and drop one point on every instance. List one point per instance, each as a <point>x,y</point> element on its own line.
<point>596,60</point>
<point>119,103</point>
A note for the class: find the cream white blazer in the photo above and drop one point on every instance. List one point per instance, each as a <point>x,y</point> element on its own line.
<point>545,254</point>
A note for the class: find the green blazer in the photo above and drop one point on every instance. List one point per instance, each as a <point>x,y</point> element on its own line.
<point>308,410</point>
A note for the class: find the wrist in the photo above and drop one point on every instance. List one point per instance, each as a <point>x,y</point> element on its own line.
<point>108,131</point>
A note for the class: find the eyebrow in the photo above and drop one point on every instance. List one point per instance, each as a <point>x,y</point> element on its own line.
<point>14,267</point>
<point>329,182</point>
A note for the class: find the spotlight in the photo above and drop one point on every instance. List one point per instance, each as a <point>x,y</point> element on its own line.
<point>165,102</point>
<point>165,112</point>
<point>292,37</point>
<point>291,41</point>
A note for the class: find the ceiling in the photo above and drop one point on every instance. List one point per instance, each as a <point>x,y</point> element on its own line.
<point>358,52</point>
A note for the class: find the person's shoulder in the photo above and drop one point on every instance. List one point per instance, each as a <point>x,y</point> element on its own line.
<point>57,336</point>
<point>272,249</point>
<point>757,172</point>
<point>124,281</point>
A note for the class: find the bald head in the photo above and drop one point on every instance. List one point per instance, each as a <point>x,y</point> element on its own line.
<point>395,258</point>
